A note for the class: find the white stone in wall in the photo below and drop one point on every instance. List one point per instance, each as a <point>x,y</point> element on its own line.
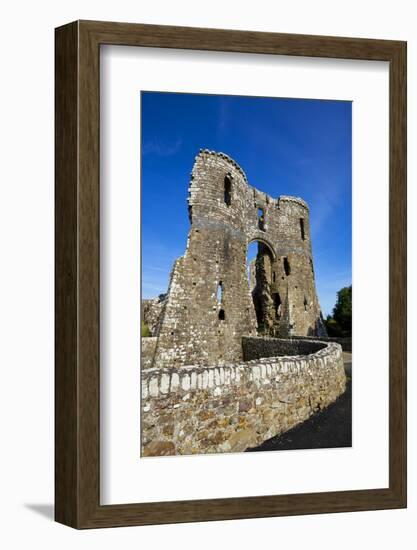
<point>175,381</point>
<point>227,376</point>
<point>205,379</point>
<point>210,378</point>
<point>153,387</point>
<point>217,379</point>
<point>185,382</point>
<point>164,383</point>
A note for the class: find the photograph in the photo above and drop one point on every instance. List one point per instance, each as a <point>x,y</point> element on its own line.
<point>246,274</point>
<point>208,263</point>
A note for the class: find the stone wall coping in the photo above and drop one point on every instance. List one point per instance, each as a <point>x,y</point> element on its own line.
<point>297,200</point>
<point>162,381</point>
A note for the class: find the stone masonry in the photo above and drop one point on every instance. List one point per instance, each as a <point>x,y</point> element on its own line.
<point>213,409</point>
<point>231,361</point>
<point>210,305</point>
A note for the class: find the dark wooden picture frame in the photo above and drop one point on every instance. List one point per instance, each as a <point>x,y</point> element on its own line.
<point>77,372</point>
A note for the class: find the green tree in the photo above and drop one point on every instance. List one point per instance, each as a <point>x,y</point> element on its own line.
<point>333,328</point>
<point>342,312</point>
<point>340,322</point>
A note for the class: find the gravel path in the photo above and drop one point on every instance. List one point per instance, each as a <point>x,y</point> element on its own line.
<point>326,429</point>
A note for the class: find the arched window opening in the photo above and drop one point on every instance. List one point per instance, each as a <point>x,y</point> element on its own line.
<point>228,189</point>
<point>303,235</point>
<point>260,260</point>
<point>277,305</point>
<point>287,267</point>
<point>261,219</point>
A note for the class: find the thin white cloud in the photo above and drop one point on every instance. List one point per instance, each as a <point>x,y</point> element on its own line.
<point>162,149</point>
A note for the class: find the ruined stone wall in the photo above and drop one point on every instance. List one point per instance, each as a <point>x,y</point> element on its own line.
<point>209,306</point>
<point>151,312</point>
<point>147,350</point>
<point>212,409</point>
<point>259,347</point>
<point>295,281</point>
<point>344,341</point>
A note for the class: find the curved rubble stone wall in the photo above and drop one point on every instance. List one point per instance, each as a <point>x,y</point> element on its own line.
<point>344,341</point>
<point>257,347</point>
<point>212,409</point>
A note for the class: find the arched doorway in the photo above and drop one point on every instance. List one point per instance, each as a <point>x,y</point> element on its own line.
<point>260,265</point>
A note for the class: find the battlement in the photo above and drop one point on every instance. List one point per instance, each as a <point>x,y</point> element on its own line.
<point>296,200</point>
<point>232,162</point>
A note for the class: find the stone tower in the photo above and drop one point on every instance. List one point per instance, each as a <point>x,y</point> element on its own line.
<point>210,304</point>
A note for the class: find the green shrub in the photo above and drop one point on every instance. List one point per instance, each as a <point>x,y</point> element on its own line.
<point>145,330</point>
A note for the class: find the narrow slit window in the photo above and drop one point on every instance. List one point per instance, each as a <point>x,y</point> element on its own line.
<point>220,292</point>
<point>303,235</point>
<point>287,267</point>
<point>228,190</point>
<point>305,304</point>
<point>261,219</point>
<point>222,315</point>
<point>273,276</point>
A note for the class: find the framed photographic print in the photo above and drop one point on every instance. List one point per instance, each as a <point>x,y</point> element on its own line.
<point>230,274</point>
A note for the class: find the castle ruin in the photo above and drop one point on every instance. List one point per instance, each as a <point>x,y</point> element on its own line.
<point>233,362</point>
<point>210,306</point>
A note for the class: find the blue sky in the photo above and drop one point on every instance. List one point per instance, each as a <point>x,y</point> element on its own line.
<point>285,146</point>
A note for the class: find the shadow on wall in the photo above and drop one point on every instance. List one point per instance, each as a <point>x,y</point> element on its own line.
<point>259,347</point>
